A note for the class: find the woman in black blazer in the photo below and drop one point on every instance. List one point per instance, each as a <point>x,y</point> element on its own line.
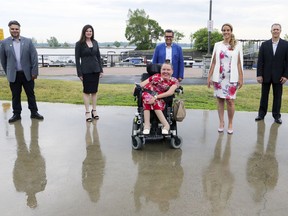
<point>89,69</point>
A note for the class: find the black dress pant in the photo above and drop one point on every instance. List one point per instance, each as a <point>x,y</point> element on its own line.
<point>277,99</point>
<point>16,89</point>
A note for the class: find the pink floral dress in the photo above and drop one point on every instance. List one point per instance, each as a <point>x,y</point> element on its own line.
<point>156,85</point>
<point>224,88</point>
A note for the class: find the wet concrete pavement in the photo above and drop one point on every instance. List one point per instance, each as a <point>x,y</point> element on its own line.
<point>66,167</point>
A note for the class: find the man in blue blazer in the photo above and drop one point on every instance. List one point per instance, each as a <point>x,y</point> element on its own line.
<point>171,52</point>
<point>19,59</point>
<point>272,69</point>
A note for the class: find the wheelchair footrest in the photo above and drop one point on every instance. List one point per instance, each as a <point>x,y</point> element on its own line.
<point>155,137</point>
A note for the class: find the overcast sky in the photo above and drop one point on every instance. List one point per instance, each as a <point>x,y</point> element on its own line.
<point>64,19</point>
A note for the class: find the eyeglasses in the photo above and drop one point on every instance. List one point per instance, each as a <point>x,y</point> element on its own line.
<point>168,37</point>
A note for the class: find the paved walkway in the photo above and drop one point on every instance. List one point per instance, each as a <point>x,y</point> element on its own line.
<point>130,74</point>
<point>63,166</point>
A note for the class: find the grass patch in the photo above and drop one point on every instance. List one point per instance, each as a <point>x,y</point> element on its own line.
<point>195,96</point>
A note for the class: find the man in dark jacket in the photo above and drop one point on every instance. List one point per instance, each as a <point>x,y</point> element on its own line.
<point>272,68</point>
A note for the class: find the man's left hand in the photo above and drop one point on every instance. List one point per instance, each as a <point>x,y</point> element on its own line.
<point>283,80</point>
<point>34,77</point>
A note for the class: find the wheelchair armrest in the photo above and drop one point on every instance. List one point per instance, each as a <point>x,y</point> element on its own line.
<point>137,90</point>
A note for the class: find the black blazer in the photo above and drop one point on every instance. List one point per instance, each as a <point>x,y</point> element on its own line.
<point>272,67</point>
<point>88,60</point>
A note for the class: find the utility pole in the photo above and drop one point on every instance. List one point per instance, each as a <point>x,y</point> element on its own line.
<point>207,57</point>
<point>210,28</point>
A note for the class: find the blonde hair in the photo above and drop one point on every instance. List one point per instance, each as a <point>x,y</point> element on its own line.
<point>232,41</point>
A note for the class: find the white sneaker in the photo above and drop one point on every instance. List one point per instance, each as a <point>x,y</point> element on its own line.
<point>146,131</point>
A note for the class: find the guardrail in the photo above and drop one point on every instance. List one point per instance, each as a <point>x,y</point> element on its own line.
<point>109,60</point>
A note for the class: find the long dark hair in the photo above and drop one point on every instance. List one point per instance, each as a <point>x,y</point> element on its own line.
<point>84,29</point>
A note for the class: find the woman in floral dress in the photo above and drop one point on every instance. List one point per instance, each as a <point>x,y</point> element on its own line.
<point>155,88</point>
<point>226,74</point>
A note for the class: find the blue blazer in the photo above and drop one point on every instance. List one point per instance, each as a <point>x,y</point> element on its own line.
<point>28,58</point>
<point>159,57</point>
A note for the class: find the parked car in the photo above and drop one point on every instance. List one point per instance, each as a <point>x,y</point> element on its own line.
<point>104,61</point>
<point>188,61</point>
<point>133,60</point>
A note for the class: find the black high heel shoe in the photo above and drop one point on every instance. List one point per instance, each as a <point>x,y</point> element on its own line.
<point>96,116</point>
<point>88,119</point>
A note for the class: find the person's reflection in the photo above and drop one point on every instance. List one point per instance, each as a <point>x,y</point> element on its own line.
<point>217,178</point>
<point>262,166</point>
<point>160,176</point>
<point>6,107</point>
<point>29,174</point>
<point>94,164</point>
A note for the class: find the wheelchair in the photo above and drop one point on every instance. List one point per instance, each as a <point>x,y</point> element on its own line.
<point>138,138</point>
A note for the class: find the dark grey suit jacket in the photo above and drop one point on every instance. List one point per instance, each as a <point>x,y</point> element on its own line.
<point>87,60</point>
<point>272,67</point>
<point>28,58</point>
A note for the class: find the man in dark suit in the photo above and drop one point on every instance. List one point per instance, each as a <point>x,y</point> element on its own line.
<point>272,68</point>
<point>19,59</point>
<point>172,52</point>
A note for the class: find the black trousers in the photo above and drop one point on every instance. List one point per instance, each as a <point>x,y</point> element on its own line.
<point>277,99</point>
<point>16,89</point>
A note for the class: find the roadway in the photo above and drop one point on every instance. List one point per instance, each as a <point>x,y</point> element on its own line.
<point>130,75</point>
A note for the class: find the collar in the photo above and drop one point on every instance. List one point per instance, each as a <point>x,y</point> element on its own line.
<point>275,42</point>
<point>170,46</point>
<point>15,39</point>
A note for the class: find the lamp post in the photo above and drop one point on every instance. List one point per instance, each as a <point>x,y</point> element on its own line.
<point>210,28</point>
<point>207,57</point>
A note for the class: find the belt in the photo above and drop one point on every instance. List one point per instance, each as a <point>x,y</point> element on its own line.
<point>20,71</point>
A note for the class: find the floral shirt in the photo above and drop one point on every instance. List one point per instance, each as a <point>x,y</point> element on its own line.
<point>156,85</point>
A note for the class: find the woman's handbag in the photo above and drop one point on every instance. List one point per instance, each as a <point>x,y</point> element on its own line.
<point>179,110</point>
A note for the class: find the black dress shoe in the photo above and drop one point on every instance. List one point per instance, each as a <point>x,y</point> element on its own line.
<point>259,118</point>
<point>278,121</point>
<point>37,116</point>
<point>14,118</point>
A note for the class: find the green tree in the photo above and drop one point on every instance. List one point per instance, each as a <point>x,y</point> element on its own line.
<point>201,39</point>
<point>117,44</point>
<point>66,45</point>
<point>53,42</point>
<point>178,36</point>
<point>142,31</point>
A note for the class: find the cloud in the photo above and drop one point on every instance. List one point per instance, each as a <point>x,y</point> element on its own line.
<point>65,19</point>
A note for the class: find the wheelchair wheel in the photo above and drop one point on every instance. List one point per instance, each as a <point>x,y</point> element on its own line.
<point>175,142</point>
<point>137,143</point>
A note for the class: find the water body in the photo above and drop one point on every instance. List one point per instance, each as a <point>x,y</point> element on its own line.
<point>71,51</point>
<point>68,55</point>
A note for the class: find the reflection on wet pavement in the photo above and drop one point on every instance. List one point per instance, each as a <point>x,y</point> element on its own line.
<point>29,174</point>
<point>218,179</point>
<point>262,166</point>
<point>160,175</point>
<point>65,166</point>
<point>94,163</point>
